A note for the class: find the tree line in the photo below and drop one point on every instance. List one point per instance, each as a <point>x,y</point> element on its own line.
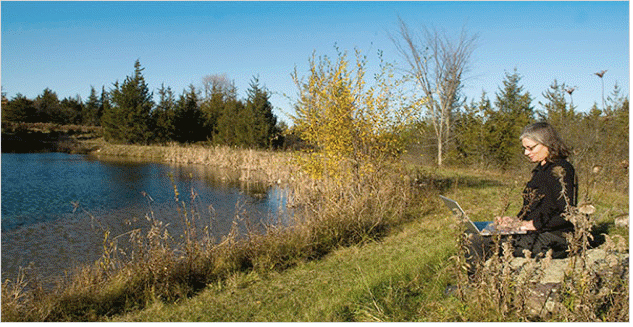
<point>335,113</point>
<point>486,132</point>
<point>129,114</point>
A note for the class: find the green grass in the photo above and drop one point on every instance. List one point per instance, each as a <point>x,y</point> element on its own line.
<point>379,281</point>
<point>401,277</point>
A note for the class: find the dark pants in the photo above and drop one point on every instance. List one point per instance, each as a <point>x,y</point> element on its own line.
<point>482,248</point>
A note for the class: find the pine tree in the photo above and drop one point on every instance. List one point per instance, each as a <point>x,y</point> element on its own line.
<point>19,109</point>
<point>218,91</point>
<point>164,115</point>
<point>261,122</point>
<point>616,122</point>
<point>503,126</point>
<point>189,123</point>
<point>211,107</point>
<point>128,120</point>
<point>468,131</point>
<point>47,107</point>
<point>104,104</point>
<point>229,126</point>
<point>91,109</point>
<point>70,111</point>
<point>557,111</point>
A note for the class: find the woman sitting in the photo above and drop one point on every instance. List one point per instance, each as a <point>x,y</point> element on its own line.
<point>546,197</point>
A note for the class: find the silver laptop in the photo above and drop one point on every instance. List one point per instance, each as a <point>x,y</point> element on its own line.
<point>484,228</point>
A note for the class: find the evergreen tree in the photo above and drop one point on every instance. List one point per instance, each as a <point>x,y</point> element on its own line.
<point>211,108</point>
<point>557,111</point>
<point>261,122</point>
<point>229,128</point>
<point>616,122</point>
<point>503,126</point>
<point>104,104</point>
<point>163,116</point>
<point>19,109</point>
<point>218,91</point>
<point>47,107</point>
<point>469,132</point>
<point>90,114</point>
<point>189,122</point>
<point>599,138</point>
<point>70,110</point>
<point>561,114</point>
<point>128,120</point>
<point>616,103</point>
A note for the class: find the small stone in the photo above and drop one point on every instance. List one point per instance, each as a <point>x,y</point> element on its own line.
<point>587,209</point>
<point>622,221</point>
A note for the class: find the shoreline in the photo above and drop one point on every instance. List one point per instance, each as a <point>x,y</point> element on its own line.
<point>48,137</point>
<point>271,167</point>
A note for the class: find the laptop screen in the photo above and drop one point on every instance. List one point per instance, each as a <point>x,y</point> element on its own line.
<point>482,227</point>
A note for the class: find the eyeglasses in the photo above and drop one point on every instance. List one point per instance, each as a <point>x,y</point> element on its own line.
<point>530,148</point>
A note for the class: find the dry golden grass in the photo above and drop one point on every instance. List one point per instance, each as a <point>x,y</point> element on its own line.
<point>253,165</point>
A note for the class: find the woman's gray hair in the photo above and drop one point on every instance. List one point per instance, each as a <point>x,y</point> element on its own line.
<point>545,134</point>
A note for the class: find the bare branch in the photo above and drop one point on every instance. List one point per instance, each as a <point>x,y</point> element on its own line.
<point>437,64</point>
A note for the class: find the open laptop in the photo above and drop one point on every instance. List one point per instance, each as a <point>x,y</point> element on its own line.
<point>484,228</point>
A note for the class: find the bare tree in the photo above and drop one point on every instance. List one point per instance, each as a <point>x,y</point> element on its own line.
<point>437,64</point>
<point>218,84</point>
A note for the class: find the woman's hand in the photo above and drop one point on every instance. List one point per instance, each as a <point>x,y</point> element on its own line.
<point>503,222</point>
<point>527,225</point>
<point>513,223</point>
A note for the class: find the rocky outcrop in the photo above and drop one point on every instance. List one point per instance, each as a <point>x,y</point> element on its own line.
<point>546,279</point>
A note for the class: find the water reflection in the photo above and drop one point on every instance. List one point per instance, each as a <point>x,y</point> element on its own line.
<point>40,224</point>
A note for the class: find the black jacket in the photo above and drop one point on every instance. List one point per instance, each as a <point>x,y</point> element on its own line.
<point>543,202</point>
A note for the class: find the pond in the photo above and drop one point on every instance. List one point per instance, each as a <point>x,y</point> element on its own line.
<point>56,207</point>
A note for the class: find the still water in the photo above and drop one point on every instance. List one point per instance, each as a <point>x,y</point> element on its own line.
<point>56,207</point>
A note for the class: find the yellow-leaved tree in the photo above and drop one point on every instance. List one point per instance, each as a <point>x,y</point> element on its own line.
<point>352,126</point>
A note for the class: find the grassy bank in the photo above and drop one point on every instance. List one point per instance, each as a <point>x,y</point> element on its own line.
<point>378,248</point>
<point>49,137</point>
<point>401,277</point>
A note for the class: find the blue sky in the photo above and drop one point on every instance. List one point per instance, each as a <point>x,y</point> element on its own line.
<point>71,46</point>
